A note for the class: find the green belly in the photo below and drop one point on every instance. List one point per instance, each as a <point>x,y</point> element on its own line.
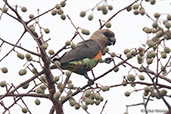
<point>80,67</point>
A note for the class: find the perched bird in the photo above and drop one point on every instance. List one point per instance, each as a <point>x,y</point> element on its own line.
<point>87,53</point>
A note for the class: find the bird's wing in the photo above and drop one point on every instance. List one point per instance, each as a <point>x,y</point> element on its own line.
<point>85,49</point>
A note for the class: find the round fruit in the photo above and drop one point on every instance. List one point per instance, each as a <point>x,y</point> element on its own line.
<point>57,63</point>
<point>24,110</point>
<point>68,43</point>
<point>136,12</point>
<point>62,3</point>
<point>4,69</point>
<point>129,55</point>
<point>3,83</point>
<point>108,25</point>
<point>4,10</point>
<point>169,17</point>
<point>37,102</point>
<point>135,6</point>
<point>46,30</point>
<point>85,31</point>
<point>127,93</point>
<point>148,89</point>
<point>23,9</point>
<point>56,78</point>
<point>105,88</point>
<point>51,52</point>
<point>163,92</point>
<point>167,49</point>
<point>20,55</point>
<point>90,17</point>
<point>53,12</point>
<point>156,15</point>
<point>87,93</point>
<point>56,95</point>
<point>63,17</point>
<point>149,61</point>
<point>31,16</point>
<point>77,106</point>
<point>44,46</point>
<point>141,77</point>
<point>116,69</point>
<point>110,7</point>
<point>73,46</point>
<point>85,107</point>
<point>131,78</point>
<point>28,57</point>
<point>152,2</point>
<point>25,86</point>
<point>82,13</point>
<point>58,6</point>
<point>129,8</point>
<point>22,72</point>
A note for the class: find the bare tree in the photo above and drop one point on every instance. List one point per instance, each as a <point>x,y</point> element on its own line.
<point>153,61</point>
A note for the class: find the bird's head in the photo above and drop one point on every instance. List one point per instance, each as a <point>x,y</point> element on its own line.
<point>104,37</point>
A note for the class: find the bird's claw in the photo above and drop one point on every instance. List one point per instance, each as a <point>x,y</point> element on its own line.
<point>90,82</point>
<point>108,60</point>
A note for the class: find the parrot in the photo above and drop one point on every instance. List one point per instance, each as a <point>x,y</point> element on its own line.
<point>87,53</point>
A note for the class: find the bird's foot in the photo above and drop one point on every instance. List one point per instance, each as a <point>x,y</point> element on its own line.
<point>108,60</point>
<point>90,82</point>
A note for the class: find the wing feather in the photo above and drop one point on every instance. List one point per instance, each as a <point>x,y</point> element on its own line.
<point>85,49</point>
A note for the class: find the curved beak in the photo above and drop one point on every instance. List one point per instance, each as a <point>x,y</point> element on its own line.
<point>112,40</point>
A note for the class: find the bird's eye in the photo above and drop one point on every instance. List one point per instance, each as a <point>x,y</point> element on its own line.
<point>108,35</point>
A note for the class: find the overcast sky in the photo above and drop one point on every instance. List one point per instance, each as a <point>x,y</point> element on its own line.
<point>128,31</point>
